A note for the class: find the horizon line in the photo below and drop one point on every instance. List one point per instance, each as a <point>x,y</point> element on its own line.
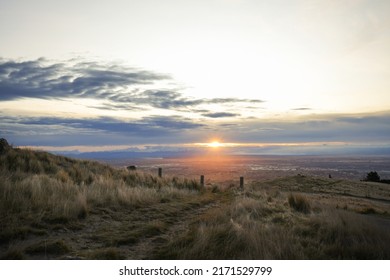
<point>202,145</point>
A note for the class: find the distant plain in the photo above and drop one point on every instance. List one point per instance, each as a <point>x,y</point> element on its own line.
<point>227,169</point>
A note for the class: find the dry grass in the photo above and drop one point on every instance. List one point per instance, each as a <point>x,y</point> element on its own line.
<point>249,228</point>
<point>40,192</point>
<point>257,227</point>
<point>48,198</point>
<point>40,182</point>
<point>341,234</point>
<point>299,202</point>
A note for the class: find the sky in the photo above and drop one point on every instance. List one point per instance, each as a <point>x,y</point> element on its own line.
<point>282,76</point>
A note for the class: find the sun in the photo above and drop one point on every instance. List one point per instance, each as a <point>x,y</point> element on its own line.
<point>215,144</point>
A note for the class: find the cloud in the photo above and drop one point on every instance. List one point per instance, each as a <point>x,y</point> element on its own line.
<point>168,100</point>
<point>118,86</point>
<point>98,131</point>
<point>233,100</point>
<point>107,124</point>
<point>220,115</point>
<point>40,79</point>
<point>333,128</point>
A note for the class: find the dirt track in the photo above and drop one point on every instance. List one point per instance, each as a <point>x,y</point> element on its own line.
<point>147,246</point>
<point>134,234</point>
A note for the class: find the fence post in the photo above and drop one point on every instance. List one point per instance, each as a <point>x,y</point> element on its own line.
<point>202,180</point>
<point>242,183</point>
<point>159,172</point>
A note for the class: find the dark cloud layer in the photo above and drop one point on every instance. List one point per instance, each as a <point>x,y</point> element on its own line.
<point>56,131</point>
<point>97,131</point>
<point>120,86</point>
<point>105,124</point>
<point>39,80</point>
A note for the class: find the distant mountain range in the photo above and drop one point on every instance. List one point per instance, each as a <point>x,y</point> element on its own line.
<point>326,151</point>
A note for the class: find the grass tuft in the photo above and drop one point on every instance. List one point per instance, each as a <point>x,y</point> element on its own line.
<point>299,203</point>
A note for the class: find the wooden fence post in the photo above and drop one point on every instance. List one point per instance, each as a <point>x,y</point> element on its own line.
<point>242,183</point>
<point>159,172</point>
<point>202,180</point>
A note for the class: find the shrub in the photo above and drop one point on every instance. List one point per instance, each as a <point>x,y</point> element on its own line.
<point>373,177</point>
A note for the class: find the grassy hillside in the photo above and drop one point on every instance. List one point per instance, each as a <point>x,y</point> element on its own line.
<point>53,207</point>
<point>283,220</point>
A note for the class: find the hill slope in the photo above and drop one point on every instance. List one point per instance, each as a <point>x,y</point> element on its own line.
<point>53,207</point>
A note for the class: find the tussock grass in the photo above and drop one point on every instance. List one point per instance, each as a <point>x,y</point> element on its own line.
<point>242,230</point>
<point>340,234</point>
<point>48,185</point>
<point>255,227</point>
<point>299,202</point>
<point>52,199</point>
<point>40,192</point>
<point>45,196</point>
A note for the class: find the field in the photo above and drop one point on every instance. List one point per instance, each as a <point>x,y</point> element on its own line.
<point>53,207</point>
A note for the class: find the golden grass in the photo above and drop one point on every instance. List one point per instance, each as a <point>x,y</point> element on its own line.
<point>299,202</point>
<point>346,235</point>
<point>249,228</point>
<point>255,227</point>
<point>40,192</point>
<point>52,198</point>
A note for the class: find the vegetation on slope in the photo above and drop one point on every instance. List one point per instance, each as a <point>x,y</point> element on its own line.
<point>41,192</point>
<point>54,207</point>
<point>264,223</point>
